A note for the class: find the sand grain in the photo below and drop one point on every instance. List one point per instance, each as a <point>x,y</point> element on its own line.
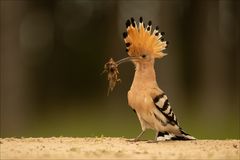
<point>115,148</point>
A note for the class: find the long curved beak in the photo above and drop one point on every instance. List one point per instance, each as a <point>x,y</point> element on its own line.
<point>127,59</point>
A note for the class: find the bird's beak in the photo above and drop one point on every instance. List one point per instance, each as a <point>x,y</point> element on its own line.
<point>127,59</point>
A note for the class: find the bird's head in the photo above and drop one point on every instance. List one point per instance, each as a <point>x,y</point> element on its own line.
<point>143,44</point>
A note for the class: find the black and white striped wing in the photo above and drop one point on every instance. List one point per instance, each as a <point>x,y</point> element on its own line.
<point>162,104</point>
<point>166,116</point>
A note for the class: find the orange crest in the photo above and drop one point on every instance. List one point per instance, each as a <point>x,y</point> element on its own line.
<point>140,40</point>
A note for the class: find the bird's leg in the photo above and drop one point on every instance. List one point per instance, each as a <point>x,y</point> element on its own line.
<point>138,137</point>
<point>155,139</point>
<point>156,136</point>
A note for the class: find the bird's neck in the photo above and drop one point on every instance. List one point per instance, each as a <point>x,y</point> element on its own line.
<point>145,76</point>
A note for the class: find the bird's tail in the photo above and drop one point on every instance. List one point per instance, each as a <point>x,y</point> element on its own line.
<point>163,136</point>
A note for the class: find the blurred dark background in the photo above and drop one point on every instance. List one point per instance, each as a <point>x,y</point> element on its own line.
<point>53,52</point>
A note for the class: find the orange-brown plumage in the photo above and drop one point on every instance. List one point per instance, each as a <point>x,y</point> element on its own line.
<point>139,39</point>
<point>145,97</point>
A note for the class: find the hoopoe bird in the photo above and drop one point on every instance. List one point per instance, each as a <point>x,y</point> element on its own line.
<point>145,97</point>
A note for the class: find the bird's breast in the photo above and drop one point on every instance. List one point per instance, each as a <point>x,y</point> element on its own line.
<point>139,99</point>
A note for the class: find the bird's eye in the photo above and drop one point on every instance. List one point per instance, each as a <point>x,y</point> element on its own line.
<point>143,56</point>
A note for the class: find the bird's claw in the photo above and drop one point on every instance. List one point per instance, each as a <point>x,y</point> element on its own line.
<point>133,140</point>
<point>152,141</point>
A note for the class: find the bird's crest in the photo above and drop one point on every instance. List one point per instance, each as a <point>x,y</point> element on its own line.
<point>140,39</point>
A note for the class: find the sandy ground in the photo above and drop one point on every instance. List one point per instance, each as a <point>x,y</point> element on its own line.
<point>116,148</point>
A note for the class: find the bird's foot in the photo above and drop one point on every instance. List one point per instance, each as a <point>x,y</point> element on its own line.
<point>137,138</point>
<point>133,140</point>
<point>152,141</point>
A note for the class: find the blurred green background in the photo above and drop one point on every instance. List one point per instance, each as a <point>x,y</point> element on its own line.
<point>53,52</point>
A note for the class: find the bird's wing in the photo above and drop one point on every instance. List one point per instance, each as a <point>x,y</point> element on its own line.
<point>164,113</point>
<point>162,105</point>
